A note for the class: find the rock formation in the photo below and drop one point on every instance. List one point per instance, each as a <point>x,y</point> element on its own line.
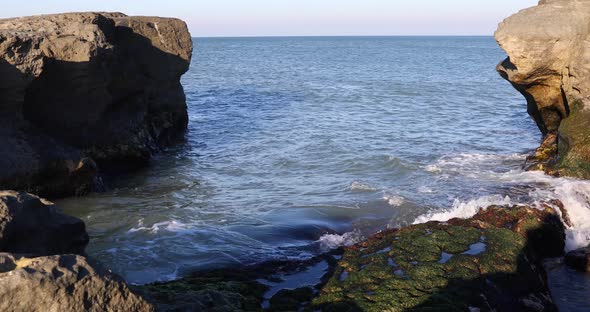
<point>84,92</point>
<point>63,283</point>
<point>31,225</point>
<point>549,63</point>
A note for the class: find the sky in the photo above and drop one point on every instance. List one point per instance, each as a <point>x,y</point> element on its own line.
<point>228,18</point>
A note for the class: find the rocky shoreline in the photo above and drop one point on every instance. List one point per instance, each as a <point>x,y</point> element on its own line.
<point>83,95</point>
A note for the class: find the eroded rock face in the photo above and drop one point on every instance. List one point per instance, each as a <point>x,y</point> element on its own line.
<point>62,283</point>
<point>549,63</point>
<point>31,225</point>
<point>83,91</point>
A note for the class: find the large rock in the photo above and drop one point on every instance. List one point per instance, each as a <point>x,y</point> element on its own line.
<point>491,262</point>
<point>548,61</point>
<point>83,91</point>
<point>62,283</point>
<point>31,225</point>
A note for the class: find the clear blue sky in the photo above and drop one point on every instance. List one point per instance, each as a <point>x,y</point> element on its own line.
<point>302,17</point>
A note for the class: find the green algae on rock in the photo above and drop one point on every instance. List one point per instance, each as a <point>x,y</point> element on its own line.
<point>574,143</point>
<point>491,261</point>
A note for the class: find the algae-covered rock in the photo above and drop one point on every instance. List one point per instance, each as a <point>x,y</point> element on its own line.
<point>214,291</point>
<point>574,143</point>
<point>491,261</point>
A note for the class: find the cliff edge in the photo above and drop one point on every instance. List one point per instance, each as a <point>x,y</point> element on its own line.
<point>87,92</point>
<point>548,62</point>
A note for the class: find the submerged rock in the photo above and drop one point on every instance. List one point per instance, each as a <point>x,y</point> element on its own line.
<point>62,283</point>
<point>31,225</point>
<point>83,91</point>
<point>579,259</point>
<point>548,62</point>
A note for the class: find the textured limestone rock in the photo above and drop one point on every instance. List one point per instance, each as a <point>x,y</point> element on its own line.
<point>31,225</point>
<point>83,91</point>
<point>548,61</point>
<point>62,283</point>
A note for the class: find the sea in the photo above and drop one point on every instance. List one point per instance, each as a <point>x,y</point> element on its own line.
<point>298,145</point>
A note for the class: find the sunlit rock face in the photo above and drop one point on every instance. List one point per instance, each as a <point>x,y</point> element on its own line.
<point>549,63</point>
<point>63,283</point>
<point>84,92</point>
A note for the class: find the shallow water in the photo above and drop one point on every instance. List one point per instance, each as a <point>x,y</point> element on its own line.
<point>298,145</point>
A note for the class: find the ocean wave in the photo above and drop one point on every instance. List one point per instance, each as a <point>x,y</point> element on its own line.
<point>468,163</point>
<point>464,209</point>
<point>574,194</point>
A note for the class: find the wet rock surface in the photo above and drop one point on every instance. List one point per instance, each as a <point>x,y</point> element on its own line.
<point>83,92</point>
<point>579,259</point>
<point>548,63</point>
<point>62,283</point>
<point>31,225</point>
<point>492,261</point>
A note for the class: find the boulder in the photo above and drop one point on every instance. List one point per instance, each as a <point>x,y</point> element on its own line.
<point>31,225</point>
<point>81,92</point>
<point>63,283</point>
<point>579,259</point>
<point>549,63</point>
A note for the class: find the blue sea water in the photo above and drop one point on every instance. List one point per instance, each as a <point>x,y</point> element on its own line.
<point>298,145</point>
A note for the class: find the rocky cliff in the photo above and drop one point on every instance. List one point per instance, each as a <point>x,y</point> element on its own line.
<point>87,92</point>
<point>548,61</point>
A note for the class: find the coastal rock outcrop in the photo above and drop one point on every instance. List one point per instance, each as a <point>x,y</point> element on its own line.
<point>63,283</point>
<point>490,262</point>
<point>549,63</point>
<point>83,92</point>
<point>31,225</point>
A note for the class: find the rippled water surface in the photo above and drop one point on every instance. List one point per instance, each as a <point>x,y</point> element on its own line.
<point>296,145</point>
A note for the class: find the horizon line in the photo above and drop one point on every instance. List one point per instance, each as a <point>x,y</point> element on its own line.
<point>332,36</point>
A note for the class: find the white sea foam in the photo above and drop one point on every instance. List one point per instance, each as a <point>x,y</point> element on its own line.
<point>464,209</point>
<point>574,194</point>
<point>170,226</point>
<point>361,187</point>
<point>332,241</point>
<point>433,169</point>
<point>394,200</point>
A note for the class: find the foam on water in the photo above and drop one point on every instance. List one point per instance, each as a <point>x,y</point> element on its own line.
<point>332,241</point>
<point>573,193</point>
<point>394,200</point>
<point>464,209</point>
